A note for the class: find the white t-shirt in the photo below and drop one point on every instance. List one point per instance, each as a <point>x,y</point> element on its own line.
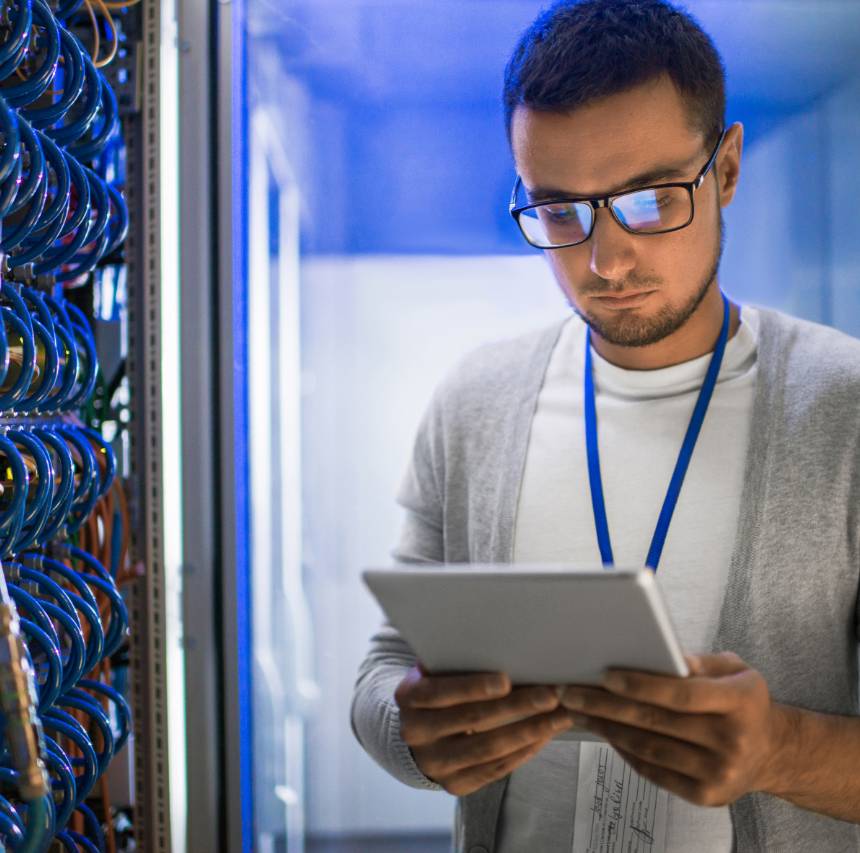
<point>642,417</point>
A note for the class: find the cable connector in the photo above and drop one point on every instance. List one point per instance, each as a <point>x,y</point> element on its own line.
<point>23,733</point>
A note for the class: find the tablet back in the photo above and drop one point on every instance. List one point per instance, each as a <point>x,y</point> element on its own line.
<point>540,625</point>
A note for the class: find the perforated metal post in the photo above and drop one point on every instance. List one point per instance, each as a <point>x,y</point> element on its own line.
<point>146,595</point>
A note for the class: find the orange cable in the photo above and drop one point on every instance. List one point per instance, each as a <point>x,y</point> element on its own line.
<point>97,42</point>
<point>115,38</point>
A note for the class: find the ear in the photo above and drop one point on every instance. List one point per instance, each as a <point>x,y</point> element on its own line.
<point>728,165</point>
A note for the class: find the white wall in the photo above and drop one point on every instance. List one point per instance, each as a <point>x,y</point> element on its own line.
<point>379,333</point>
<point>793,229</point>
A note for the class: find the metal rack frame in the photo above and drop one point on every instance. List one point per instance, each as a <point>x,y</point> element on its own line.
<point>231,410</point>
<point>214,627</point>
<point>202,560</point>
<point>146,595</point>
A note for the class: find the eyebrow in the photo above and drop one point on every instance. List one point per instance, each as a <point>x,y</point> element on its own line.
<point>658,173</point>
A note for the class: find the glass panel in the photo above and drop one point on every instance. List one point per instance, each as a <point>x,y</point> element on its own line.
<point>381,251</point>
<point>283,689</point>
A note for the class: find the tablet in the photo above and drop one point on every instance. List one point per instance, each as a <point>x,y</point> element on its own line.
<point>540,624</point>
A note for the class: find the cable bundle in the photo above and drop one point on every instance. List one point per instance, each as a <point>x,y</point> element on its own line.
<point>64,525</point>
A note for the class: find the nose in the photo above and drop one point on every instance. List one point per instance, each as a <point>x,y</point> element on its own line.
<point>612,253</point>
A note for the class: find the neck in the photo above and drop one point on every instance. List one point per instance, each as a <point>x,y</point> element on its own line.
<point>697,337</point>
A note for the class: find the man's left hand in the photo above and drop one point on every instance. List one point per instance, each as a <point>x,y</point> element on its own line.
<point>709,738</point>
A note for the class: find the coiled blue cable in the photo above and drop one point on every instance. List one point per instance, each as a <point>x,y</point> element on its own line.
<point>15,46</point>
<point>109,457</point>
<point>86,107</point>
<point>98,235</point>
<point>65,251</point>
<point>50,370</point>
<point>12,293</point>
<point>81,325</point>
<point>88,150</point>
<point>63,480</point>
<point>76,841</point>
<point>55,719</point>
<point>53,220</point>
<point>35,304</point>
<point>9,187</point>
<point>37,83</point>
<point>84,601</point>
<point>57,762</point>
<point>68,357</point>
<point>48,587</point>
<point>23,336</point>
<point>61,219</point>
<point>50,689</point>
<point>119,228</point>
<point>40,505</point>
<point>20,478</point>
<point>102,580</point>
<point>73,663</point>
<point>93,826</point>
<point>11,150</point>
<point>9,827</point>
<point>123,712</point>
<point>34,610</point>
<point>33,193</point>
<point>87,493</point>
<point>77,223</point>
<point>73,84</point>
<point>118,624</point>
<point>10,777</point>
<point>35,166</point>
<point>97,716</point>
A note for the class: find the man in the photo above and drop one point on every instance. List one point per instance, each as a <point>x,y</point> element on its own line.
<point>615,113</point>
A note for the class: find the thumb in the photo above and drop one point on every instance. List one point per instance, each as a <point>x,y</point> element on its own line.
<point>714,666</point>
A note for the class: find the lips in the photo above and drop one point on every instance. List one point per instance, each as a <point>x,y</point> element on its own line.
<point>627,295</point>
<point>625,300</point>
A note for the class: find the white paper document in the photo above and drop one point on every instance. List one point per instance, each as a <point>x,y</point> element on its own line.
<point>617,811</point>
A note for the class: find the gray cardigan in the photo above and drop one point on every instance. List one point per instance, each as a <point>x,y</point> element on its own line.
<point>791,604</point>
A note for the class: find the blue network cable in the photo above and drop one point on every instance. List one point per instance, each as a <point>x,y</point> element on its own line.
<point>63,218</point>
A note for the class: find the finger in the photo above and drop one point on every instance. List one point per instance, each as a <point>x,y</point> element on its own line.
<point>419,726</point>
<point>443,691</point>
<point>704,730</point>
<point>697,694</point>
<point>459,752</point>
<point>676,783</point>
<point>664,751</point>
<point>467,781</point>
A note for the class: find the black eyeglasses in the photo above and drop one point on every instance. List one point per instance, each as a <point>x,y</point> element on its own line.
<point>563,222</point>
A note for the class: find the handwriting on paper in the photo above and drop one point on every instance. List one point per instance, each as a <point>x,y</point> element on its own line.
<point>617,810</point>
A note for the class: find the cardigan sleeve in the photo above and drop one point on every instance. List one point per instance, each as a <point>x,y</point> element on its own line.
<point>374,714</point>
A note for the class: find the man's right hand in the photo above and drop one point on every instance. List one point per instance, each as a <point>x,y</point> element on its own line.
<point>466,731</point>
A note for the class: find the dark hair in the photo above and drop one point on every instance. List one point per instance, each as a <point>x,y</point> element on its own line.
<point>580,50</point>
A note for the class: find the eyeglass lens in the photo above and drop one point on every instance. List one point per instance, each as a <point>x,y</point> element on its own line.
<point>647,211</point>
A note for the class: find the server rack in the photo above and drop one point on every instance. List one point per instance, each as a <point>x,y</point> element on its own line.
<point>144,78</point>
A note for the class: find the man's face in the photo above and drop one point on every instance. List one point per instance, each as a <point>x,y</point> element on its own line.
<point>597,150</point>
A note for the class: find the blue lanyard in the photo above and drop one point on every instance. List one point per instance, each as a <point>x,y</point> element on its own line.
<point>681,465</point>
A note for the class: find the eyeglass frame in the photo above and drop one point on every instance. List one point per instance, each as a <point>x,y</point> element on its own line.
<point>607,201</point>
